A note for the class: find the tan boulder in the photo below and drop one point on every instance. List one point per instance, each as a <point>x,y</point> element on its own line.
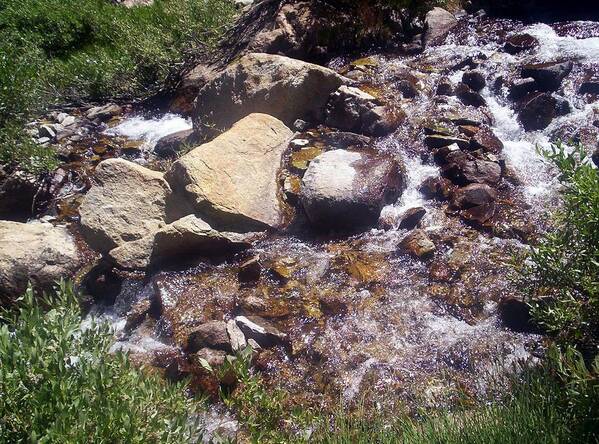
<point>232,181</point>
<point>126,203</point>
<point>36,252</point>
<point>286,88</point>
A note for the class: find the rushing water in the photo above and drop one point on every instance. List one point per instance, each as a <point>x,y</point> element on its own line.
<point>405,334</point>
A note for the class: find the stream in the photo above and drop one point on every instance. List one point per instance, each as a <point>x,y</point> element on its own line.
<point>365,320</point>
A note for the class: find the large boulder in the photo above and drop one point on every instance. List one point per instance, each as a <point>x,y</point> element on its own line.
<point>285,88</point>
<point>127,203</point>
<point>36,252</point>
<point>186,238</point>
<point>347,190</point>
<point>233,180</point>
<point>438,23</point>
<point>464,168</point>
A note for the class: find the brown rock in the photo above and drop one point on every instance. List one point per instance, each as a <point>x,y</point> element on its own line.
<point>486,140</point>
<point>520,42</point>
<point>411,218</point>
<point>250,270</point>
<point>212,334</point>
<point>538,111</point>
<point>418,244</point>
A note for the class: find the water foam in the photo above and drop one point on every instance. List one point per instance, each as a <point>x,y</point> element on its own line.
<point>149,130</point>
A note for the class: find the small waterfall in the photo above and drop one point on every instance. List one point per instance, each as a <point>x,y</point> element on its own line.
<point>149,130</point>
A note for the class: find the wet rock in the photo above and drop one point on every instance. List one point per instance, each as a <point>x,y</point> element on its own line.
<point>36,252</point>
<point>302,158</point>
<point>186,238</point>
<point>292,186</point>
<point>261,331</point>
<point>474,80</point>
<point>515,314</point>
<point>285,88</point>
<point>520,88</point>
<point>411,218</point>
<point>438,23</point>
<point>590,86</point>
<point>47,131</point>
<point>214,358</point>
<point>519,43</point>
<point>595,157</point>
<point>538,111</point>
<point>343,140</point>
<point>382,120</point>
<point>233,180</point>
<point>484,139</point>
<point>476,202</point>
<point>463,168</point>
<point>469,130</point>
<point>436,188</point>
<point>138,314</point>
<point>440,141</point>
<point>333,304</point>
<point>301,125</point>
<point>212,334</point>
<point>445,88</point>
<point>171,145</point>
<point>236,336</point>
<point>469,97</point>
<point>562,106</point>
<point>418,244</point>
<point>104,113</point>
<point>250,270</point>
<point>408,89</point>
<point>548,76</point>
<point>346,190</point>
<point>127,202</point>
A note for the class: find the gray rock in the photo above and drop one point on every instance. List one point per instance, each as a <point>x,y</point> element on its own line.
<point>105,112</point>
<point>260,330</point>
<point>438,23</point>
<point>549,76</point>
<point>347,190</point>
<point>172,144</point>
<point>236,336</point>
<point>47,131</point>
<point>212,334</point>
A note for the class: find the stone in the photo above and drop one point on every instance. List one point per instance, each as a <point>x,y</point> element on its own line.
<point>590,86</point>
<point>138,313</point>
<point>250,270</point>
<point>515,315</point>
<point>538,112</point>
<point>519,43</point>
<point>36,252</point>
<point>284,88</point>
<point>18,192</point>
<point>520,88</point>
<point>418,244</point>
<point>126,203</point>
<point>473,195</point>
<point>438,22</point>
<point>261,331</point>
<point>172,144</point>
<point>440,141</point>
<point>407,88</point>
<point>484,139</point>
<point>595,157</point>
<point>68,121</point>
<point>233,180</point>
<point>411,218</point>
<point>474,79</point>
<point>347,190</point>
<point>212,334</point>
<point>548,76</point>
<point>236,336</point>
<point>382,120</point>
<point>436,188</point>
<point>463,168</point>
<point>445,88</point>
<point>104,113</point>
<point>47,131</point>
<point>469,97</point>
<point>333,304</point>
<point>187,238</point>
<point>214,358</point>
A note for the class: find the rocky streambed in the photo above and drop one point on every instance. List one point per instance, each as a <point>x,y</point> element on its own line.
<point>354,223</point>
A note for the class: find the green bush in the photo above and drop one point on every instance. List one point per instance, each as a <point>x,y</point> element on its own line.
<point>58,384</point>
<point>560,276</point>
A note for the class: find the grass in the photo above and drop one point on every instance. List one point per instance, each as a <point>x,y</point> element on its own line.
<point>58,384</point>
<point>54,52</point>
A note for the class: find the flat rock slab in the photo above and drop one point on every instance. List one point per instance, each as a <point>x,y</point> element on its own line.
<point>36,252</point>
<point>286,88</point>
<point>232,181</point>
<point>127,203</point>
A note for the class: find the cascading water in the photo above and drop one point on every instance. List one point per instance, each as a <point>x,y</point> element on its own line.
<point>425,331</point>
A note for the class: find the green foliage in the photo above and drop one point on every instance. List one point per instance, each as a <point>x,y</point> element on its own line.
<point>58,51</point>
<point>58,384</point>
<point>560,276</point>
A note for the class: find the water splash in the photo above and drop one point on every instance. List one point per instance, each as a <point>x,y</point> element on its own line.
<point>149,130</point>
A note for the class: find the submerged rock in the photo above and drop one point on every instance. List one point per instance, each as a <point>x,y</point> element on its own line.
<point>464,168</point>
<point>127,203</point>
<point>347,190</point>
<point>474,79</point>
<point>549,76</point>
<point>538,111</point>
<point>418,244</point>
<point>36,252</point>
<point>285,88</point>
<point>233,180</point>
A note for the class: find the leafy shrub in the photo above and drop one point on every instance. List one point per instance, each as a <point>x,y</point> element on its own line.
<point>560,276</point>
<point>58,384</point>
